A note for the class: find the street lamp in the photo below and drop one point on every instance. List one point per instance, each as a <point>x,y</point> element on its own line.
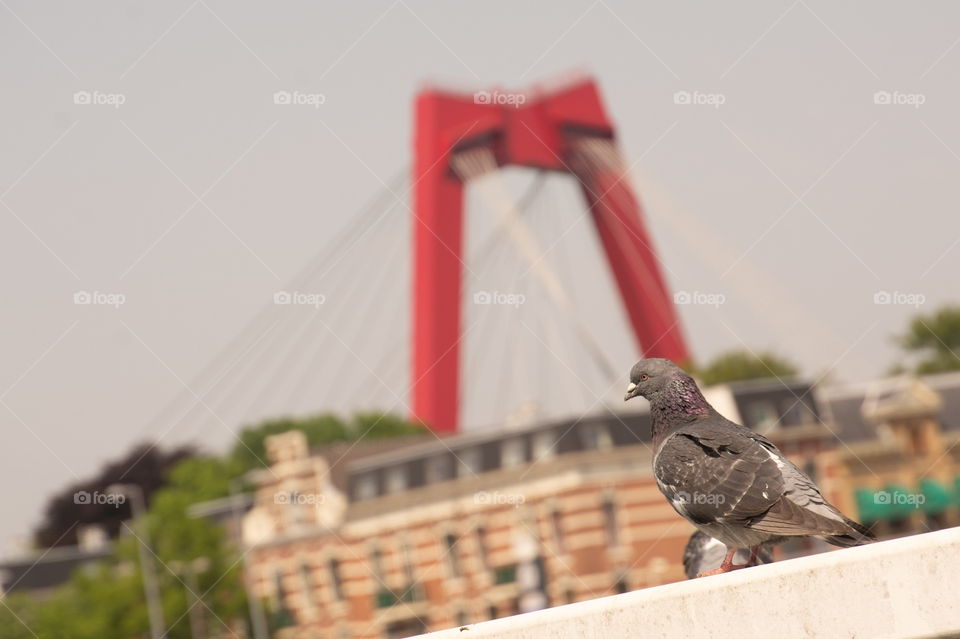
<point>257,617</point>
<point>190,570</point>
<point>151,586</point>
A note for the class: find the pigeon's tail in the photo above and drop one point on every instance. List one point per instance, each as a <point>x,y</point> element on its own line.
<point>858,536</point>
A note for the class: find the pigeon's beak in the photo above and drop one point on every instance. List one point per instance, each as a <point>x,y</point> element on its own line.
<point>631,391</point>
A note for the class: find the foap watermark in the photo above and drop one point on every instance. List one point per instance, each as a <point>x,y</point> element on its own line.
<point>899,98</point>
<point>500,299</point>
<point>899,298</point>
<point>99,98</point>
<point>298,298</point>
<point>502,98</point>
<point>699,298</point>
<point>887,498</point>
<point>716,100</point>
<point>99,298</point>
<point>497,498</point>
<point>84,498</point>
<point>299,98</point>
<point>712,499</point>
<point>298,499</point>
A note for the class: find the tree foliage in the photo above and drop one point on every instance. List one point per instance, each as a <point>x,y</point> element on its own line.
<point>934,341</point>
<point>145,465</point>
<point>740,365</point>
<point>107,601</point>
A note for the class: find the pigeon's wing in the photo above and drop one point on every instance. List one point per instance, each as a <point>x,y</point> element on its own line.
<point>720,472</point>
<point>802,509</point>
<point>718,475</point>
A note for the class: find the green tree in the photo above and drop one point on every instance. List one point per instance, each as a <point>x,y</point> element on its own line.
<point>107,601</point>
<point>739,365</point>
<point>934,340</point>
<point>250,452</point>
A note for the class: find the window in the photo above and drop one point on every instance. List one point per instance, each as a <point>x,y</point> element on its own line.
<point>541,567</point>
<point>936,521</point>
<point>482,544</point>
<point>404,628</point>
<point>376,563</point>
<point>505,574</point>
<point>365,487</point>
<point>471,462</point>
<point>437,469</point>
<point>621,586</point>
<point>796,412</point>
<point>453,562</point>
<point>557,518</point>
<point>396,479</point>
<point>610,520</point>
<point>917,441</point>
<point>596,437</point>
<point>335,583</point>
<point>762,415</point>
<point>407,554</point>
<point>544,446</point>
<point>278,588</point>
<point>513,452</point>
<point>307,584</point>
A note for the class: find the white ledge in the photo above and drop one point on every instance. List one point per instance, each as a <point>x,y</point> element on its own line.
<point>900,588</point>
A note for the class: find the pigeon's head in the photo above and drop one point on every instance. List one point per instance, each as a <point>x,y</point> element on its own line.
<point>650,377</point>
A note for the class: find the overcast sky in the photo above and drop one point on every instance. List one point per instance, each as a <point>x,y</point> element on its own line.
<point>175,181</point>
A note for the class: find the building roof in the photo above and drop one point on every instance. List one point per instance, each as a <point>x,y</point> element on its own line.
<point>49,569</point>
<point>842,404</point>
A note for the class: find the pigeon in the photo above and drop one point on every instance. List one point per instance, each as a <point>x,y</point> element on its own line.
<point>731,483</point>
<point>704,553</point>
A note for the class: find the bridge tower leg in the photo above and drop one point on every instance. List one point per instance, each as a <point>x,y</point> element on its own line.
<point>544,130</point>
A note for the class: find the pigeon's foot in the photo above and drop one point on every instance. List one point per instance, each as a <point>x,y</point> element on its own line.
<point>728,565</point>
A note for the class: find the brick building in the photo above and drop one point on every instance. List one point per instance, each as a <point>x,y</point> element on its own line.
<point>905,477</point>
<point>434,533</point>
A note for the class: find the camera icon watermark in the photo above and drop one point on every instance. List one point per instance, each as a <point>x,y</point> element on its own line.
<point>887,498</point>
<point>299,98</point>
<point>899,98</point>
<point>98,298</point>
<point>84,498</point>
<point>501,98</point>
<point>298,499</point>
<point>497,498</point>
<point>699,298</point>
<point>99,98</point>
<point>899,298</point>
<point>711,499</point>
<point>496,298</point>
<point>298,298</point>
<point>699,98</point>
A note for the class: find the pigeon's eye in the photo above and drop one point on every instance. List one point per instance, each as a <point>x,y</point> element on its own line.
<point>644,377</point>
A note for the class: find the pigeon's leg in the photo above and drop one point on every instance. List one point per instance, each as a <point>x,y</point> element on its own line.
<point>754,557</point>
<point>728,564</point>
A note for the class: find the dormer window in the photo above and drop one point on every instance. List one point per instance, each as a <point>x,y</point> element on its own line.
<point>513,452</point>
<point>544,446</point>
<point>596,437</point>
<point>437,469</point>
<point>471,462</point>
<point>396,480</point>
<point>365,487</point>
